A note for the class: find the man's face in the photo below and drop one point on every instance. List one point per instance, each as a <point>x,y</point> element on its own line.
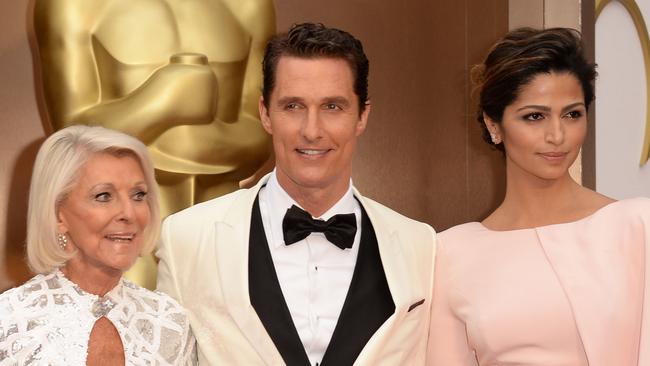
<point>313,117</point>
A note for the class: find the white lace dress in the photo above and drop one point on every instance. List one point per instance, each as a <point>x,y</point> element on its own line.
<point>48,320</point>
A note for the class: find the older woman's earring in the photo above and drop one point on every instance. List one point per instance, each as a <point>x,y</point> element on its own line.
<point>63,240</point>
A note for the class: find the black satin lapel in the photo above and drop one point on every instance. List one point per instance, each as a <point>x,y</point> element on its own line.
<point>266,295</point>
<point>367,305</point>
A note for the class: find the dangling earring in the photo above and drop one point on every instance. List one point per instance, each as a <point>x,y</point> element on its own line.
<point>63,240</point>
<point>495,139</point>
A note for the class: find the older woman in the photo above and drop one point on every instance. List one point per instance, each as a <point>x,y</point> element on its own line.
<point>558,274</point>
<point>93,210</point>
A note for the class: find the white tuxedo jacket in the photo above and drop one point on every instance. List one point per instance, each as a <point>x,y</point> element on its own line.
<point>204,265</point>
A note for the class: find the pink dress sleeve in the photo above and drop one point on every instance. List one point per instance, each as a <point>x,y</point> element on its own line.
<point>601,262</point>
<point>448,344</point>
<point>644,343</point>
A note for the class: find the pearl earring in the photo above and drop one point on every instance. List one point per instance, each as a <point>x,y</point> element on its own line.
<point>495,139</point>
<point>63,240</point>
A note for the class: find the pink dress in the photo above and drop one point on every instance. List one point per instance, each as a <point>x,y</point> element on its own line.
<point>566,294</point>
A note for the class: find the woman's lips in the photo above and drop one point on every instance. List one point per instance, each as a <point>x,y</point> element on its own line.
<point>120,237</point>
<point>554,156</point>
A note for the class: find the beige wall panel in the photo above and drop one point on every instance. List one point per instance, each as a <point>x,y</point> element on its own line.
<point>526,13</point>
<point>562,13</point>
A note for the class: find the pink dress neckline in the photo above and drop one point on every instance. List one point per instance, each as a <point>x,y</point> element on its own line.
<point>585,218</point>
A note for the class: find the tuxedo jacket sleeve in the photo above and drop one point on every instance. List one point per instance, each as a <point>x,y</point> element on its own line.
<point>188,271</point>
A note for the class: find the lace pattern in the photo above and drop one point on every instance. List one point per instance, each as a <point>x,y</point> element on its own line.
<point>48,320</point>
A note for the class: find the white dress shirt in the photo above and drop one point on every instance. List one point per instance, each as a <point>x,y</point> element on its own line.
<point>314,274</point>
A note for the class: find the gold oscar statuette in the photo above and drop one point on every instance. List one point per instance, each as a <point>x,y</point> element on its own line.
<point>183,76</point>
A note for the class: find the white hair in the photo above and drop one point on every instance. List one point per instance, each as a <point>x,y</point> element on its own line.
<point>58,162</point>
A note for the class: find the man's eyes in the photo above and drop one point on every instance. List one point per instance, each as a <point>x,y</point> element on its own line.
<point>332,107</point>
<point>326,106</point>
<point>292,106</point>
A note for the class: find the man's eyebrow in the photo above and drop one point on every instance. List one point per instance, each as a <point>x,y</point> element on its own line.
<point>289,99</point>
<point>336,100</point>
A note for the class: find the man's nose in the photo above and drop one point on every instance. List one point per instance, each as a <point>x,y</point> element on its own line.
<point>311,127</point>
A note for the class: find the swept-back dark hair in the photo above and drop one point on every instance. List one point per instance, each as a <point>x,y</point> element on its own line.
<point>518,57</point>
<point>313,40</point>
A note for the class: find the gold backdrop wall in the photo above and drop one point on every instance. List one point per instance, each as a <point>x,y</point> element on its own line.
<point>422,153</point>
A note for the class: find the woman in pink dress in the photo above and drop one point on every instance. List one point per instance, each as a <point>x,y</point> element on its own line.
<point>557,274</point>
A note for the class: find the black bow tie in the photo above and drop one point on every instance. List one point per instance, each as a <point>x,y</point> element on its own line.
<point>339,229</point>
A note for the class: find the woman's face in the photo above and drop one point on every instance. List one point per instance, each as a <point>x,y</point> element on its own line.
<point>106,212</point>
<point>544,128</point>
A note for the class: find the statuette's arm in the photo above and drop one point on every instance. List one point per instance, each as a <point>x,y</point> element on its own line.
<point>72,85</point>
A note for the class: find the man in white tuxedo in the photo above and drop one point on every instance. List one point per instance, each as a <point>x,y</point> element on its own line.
<point>302,269</point>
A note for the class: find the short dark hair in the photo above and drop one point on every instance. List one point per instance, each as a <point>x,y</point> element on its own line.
<point>313,40</point>
<point>518,57</point>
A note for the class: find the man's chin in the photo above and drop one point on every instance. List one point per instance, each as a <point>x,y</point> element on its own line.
<point>315,180</point>
<point>304,176</point>
<point>311,182</point>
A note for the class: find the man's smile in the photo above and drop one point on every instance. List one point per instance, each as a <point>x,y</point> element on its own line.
<point>313,152</point>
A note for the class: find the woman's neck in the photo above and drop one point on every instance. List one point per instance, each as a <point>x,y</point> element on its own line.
<point>538,201</point>
<point>531,201</point>
<point>94,280</point>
